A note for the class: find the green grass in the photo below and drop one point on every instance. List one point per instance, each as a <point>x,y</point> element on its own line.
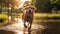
<point>41,17</point>
<point>3,16</point>
<point>3,19</point>
<point>44,17</point>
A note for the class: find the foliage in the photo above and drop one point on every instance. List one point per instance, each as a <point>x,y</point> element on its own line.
<point>3,18</point>
<point>43,5</point>
<point>9,3</point>
<point>55,1</point>
<point>12,3</point>
<point>33,2</point>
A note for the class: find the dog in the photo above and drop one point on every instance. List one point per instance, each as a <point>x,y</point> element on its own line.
<point>27,16</point>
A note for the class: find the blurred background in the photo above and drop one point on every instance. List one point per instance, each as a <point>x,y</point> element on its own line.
<point>47,13</point>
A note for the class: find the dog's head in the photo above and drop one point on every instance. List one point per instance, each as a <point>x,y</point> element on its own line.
<point>29,8</point>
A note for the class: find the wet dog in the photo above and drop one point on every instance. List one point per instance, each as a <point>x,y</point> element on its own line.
<point>28,12</point>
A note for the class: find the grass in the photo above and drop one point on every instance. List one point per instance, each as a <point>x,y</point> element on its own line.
<point>44,17</point>
<point>3,19</point>
<point>39,15</point>
<point>3,16</point>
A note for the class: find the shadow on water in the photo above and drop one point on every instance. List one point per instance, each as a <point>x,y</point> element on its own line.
<point>6,32</point>
<point>52,28</point>
<point>13,32</point>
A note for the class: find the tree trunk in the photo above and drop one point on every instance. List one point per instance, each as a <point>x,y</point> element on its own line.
<point>1,9</point>
<point>8,13</point>
<point>8,9</point>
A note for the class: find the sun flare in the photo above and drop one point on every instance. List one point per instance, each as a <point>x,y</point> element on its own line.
<point>22,2</point>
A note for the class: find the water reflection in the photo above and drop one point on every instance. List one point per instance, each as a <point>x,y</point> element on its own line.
<point>29,32</point>
<point>26,31</point>
<point>19,32</point>
<point>19,27</point>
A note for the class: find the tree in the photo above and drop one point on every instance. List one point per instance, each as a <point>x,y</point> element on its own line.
<point>55,5</point>
<point>11,4</point>
<point>43,5</point>
<point>53,1</point>
<point>33,2</point>
<point>1,2</point>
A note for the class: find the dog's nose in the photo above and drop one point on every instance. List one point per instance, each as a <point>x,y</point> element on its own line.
<point>29,10</point>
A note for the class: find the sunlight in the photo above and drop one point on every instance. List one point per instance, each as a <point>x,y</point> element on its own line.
<point>22,2</point>
<point>19,32</point>
<point>9,17</point>
<point>20,23</point>
<point>25,0</point>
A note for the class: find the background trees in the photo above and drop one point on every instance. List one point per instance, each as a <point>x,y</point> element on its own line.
<point>9,3</point>
<point>1,3</point>
<point>43,5</point>
<point>46,5</point>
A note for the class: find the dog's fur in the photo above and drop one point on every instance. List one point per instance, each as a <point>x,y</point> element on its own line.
<point>28,15</point>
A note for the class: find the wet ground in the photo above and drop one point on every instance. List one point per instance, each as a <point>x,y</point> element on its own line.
<point>18,28</point>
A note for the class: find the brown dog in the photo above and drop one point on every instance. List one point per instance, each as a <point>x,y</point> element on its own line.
<point>28,12</point>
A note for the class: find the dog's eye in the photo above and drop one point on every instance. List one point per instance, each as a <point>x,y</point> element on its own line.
<point>32,8</point>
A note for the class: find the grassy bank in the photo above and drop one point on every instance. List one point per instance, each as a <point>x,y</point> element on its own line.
<point>3,19</point>
<point>41,17</point>
<point>44,17</point>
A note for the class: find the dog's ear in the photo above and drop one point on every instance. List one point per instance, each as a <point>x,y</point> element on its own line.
<point>34,8</point>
